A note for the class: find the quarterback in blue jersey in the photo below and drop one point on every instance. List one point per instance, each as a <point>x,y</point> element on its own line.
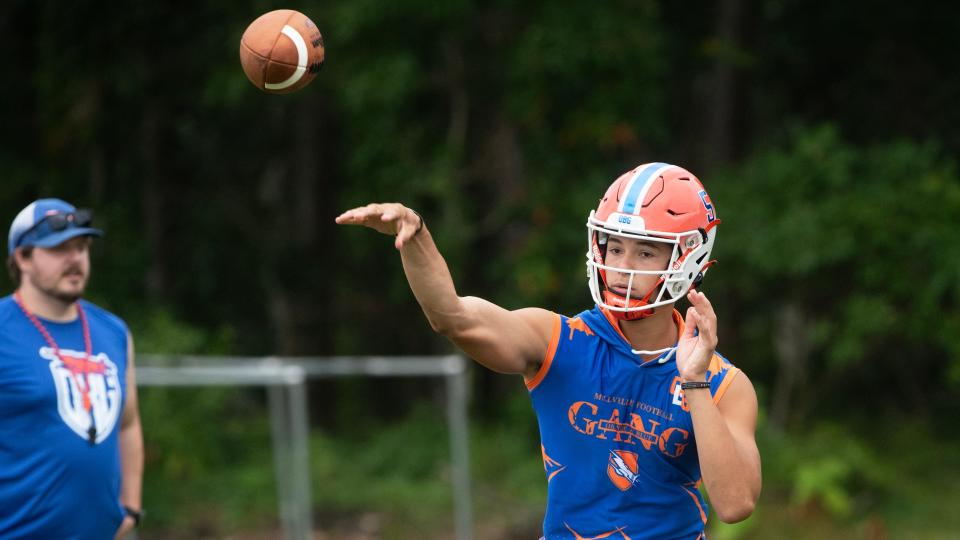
<point>637,411</point>
<point>71,445</point>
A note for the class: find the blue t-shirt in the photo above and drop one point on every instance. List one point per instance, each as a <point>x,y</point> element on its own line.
<point>617,436</point>
<point>53,482</point>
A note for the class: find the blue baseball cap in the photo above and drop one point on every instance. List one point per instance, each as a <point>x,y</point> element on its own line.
<point>34,225</point>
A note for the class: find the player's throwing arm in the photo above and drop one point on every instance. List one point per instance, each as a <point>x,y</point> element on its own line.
<point>504,341</point>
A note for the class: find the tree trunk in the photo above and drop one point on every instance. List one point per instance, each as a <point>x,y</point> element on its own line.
<point>151,199</point>
<point>793,358</point>
<point>720,89</point>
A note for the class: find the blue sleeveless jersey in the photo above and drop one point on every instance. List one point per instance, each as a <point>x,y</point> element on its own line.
<point>617,436</point>
<point>53,483</point>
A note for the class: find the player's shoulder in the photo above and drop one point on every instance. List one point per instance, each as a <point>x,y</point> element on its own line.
<point>543,321</point>
<point>723,374</point>
<point>8,308</point>
<point>576,324</point>
<point>7,304</point>
<point>537,313</point>
<point>720,368</point>
<point>580,332</point>
<point>580,324</point>
<point>99,314</point>
<point>718,361</point>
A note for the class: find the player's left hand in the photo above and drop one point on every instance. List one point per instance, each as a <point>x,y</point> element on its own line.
<point>126,526</point>
<point>699,339</point>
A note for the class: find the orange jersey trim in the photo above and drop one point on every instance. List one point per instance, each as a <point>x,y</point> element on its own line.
<point>703,515</point>
<point>601,536</point>
<point>548,357</point>
<point>727,379</point>
<point>613,323</point>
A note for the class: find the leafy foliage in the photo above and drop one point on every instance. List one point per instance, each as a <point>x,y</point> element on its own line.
<point>856,239</point>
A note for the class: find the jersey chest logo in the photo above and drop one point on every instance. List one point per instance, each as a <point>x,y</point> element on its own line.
<point>104,392</point>
<point>622,469</point>
<point>605,422</point>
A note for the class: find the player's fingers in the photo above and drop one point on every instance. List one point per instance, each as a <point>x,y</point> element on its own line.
<point>707,318</point>
<point>357,214</point>
<point>704,305</point>
<point>367,216</point>
<point>364,212</point>
<point>359,217</point>
<point>391,213</point>
<point>401,235</point>
<point>699,301</point>
<point>407,230</point>
<point>375,212</point>
<point>387,209</point>
<point>690,322</point>
<point>352,218</point>
<point>347,217</point>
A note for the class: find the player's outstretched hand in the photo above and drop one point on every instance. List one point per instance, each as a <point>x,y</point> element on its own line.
<point>696,348</point>
<point>387,218</point>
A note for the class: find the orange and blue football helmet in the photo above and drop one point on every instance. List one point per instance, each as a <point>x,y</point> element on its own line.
<point>655,202</point>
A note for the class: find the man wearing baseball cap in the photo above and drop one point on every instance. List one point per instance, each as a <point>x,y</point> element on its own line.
<point>71,445</point>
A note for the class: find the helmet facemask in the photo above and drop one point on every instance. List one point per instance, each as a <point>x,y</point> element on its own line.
<point>683,271</point>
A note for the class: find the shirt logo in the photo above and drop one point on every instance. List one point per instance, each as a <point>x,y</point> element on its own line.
<point>679,398</point>
<point>588,419</point>
<point>622,469</point>
<point>105,394</point>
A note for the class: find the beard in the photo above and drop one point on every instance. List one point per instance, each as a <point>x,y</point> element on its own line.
<point>67,296</point>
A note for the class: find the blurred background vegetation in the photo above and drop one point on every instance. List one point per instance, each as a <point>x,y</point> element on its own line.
<point>825,133</point>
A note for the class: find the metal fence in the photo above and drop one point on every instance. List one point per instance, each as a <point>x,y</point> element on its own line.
<point>285,380</point>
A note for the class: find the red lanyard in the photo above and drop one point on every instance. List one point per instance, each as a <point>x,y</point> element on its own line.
<point>77,367</point>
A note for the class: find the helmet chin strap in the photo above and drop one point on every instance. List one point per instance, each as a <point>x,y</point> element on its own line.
<point>628,316</point>
<point>636,305</point>
<point>637,312</point>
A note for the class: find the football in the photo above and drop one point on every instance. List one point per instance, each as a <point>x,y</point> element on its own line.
<point>281,51</point>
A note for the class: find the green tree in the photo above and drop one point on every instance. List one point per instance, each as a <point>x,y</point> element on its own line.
<point>838,272</point>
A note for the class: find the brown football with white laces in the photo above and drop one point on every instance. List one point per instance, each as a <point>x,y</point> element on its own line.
<point>281,51</point>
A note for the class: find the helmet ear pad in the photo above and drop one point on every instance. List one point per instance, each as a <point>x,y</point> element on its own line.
<point>598,251</point>
<point>692,263</point>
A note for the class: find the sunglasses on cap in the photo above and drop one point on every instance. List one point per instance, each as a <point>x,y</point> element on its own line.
<point>82,217</point>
